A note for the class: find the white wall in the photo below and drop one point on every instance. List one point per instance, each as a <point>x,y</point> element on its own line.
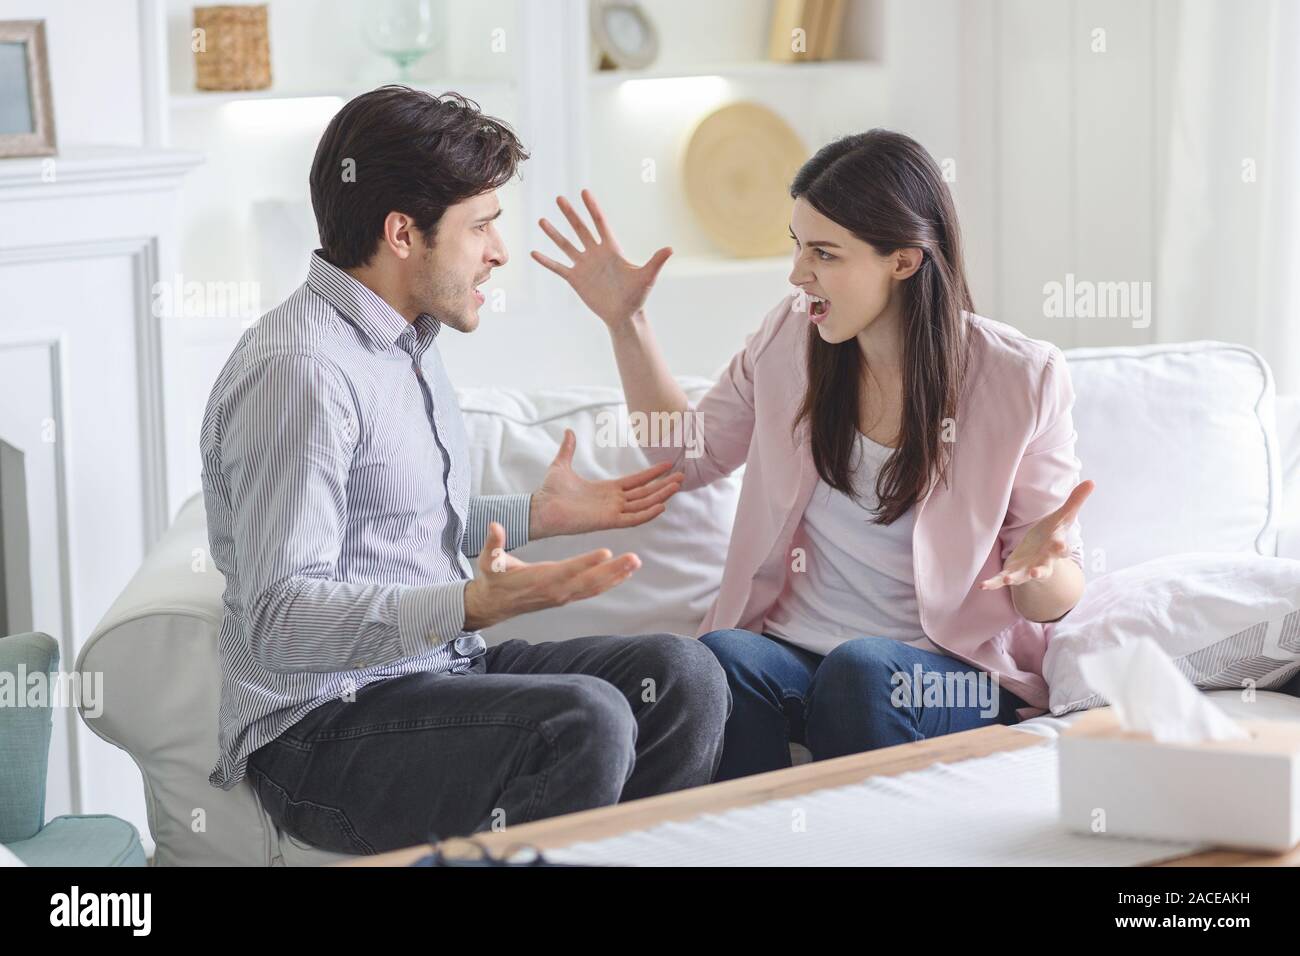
<point>95,67</point>
<point>1059,150</point>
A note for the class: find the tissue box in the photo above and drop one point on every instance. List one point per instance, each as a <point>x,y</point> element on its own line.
<point>1243,794</point>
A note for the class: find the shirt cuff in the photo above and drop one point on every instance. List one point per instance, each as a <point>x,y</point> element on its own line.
<point>430,616</point>
<point>511,511</point>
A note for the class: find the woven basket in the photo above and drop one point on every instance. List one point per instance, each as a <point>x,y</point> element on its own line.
<point>238,48</point>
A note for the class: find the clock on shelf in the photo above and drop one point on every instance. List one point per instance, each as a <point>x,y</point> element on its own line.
<point>623,36</point>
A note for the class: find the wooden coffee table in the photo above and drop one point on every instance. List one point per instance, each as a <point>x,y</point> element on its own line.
<point>760,788</point>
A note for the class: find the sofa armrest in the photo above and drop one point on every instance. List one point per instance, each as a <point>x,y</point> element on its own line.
<point>1288,439</point>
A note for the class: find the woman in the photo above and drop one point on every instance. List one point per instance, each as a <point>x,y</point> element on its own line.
<point>907,521</point>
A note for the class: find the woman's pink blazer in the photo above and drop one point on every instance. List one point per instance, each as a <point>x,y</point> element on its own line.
<point>1013,462</point>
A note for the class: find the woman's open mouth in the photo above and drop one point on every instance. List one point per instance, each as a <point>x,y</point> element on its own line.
<point>818,309</point>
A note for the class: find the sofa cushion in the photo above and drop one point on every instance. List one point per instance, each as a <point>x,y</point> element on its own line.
<point>513,438</point>
<point>1228,621</point>
<point>1182,442</point>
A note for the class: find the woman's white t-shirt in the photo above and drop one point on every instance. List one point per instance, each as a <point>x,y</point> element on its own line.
<point>858,579</point>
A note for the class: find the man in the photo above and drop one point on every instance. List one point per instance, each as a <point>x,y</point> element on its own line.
<point>358,694</point>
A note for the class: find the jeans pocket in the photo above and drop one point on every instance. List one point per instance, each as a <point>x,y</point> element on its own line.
<point>318,825</point>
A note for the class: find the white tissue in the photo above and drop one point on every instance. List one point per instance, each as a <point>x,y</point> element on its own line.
<point>1150,695</point>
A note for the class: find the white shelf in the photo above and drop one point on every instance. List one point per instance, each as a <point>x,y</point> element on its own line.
<point>473,88</point>
<point>755,70</point>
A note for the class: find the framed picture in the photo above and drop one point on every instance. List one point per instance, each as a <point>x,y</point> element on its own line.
<point>26,107</point>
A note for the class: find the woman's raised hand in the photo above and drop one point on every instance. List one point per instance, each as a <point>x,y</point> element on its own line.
<point>607,283</point>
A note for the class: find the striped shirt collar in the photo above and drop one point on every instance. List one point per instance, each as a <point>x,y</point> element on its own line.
<point>381,324</point>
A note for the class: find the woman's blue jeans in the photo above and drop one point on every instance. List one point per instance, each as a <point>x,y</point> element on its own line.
<point>867,693</point>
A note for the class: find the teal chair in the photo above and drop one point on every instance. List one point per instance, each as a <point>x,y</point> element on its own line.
<point>87,840</point>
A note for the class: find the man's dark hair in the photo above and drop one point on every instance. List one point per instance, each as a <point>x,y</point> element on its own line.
<point>409,152</point>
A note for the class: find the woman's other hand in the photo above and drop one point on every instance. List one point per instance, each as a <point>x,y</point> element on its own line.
<point>1036,556</point>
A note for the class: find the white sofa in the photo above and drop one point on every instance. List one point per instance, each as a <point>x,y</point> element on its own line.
<point>1188,445</point>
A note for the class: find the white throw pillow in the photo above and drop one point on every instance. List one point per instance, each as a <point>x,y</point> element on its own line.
<point>1226,620</point>
<point>513,437</point>
<point>1182,441</point>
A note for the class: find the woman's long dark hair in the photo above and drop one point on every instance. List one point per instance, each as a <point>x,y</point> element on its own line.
<point>886,189</point>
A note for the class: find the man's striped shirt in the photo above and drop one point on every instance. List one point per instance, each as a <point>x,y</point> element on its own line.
<point>336,482</point>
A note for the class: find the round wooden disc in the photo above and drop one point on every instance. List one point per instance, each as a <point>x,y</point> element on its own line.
<point>737,169</point>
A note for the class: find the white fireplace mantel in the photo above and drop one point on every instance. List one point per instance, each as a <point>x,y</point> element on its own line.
<point>94,169</point>
<point>84,381</point>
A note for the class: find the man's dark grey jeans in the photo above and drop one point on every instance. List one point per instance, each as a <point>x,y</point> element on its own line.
<point>529,731</point>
